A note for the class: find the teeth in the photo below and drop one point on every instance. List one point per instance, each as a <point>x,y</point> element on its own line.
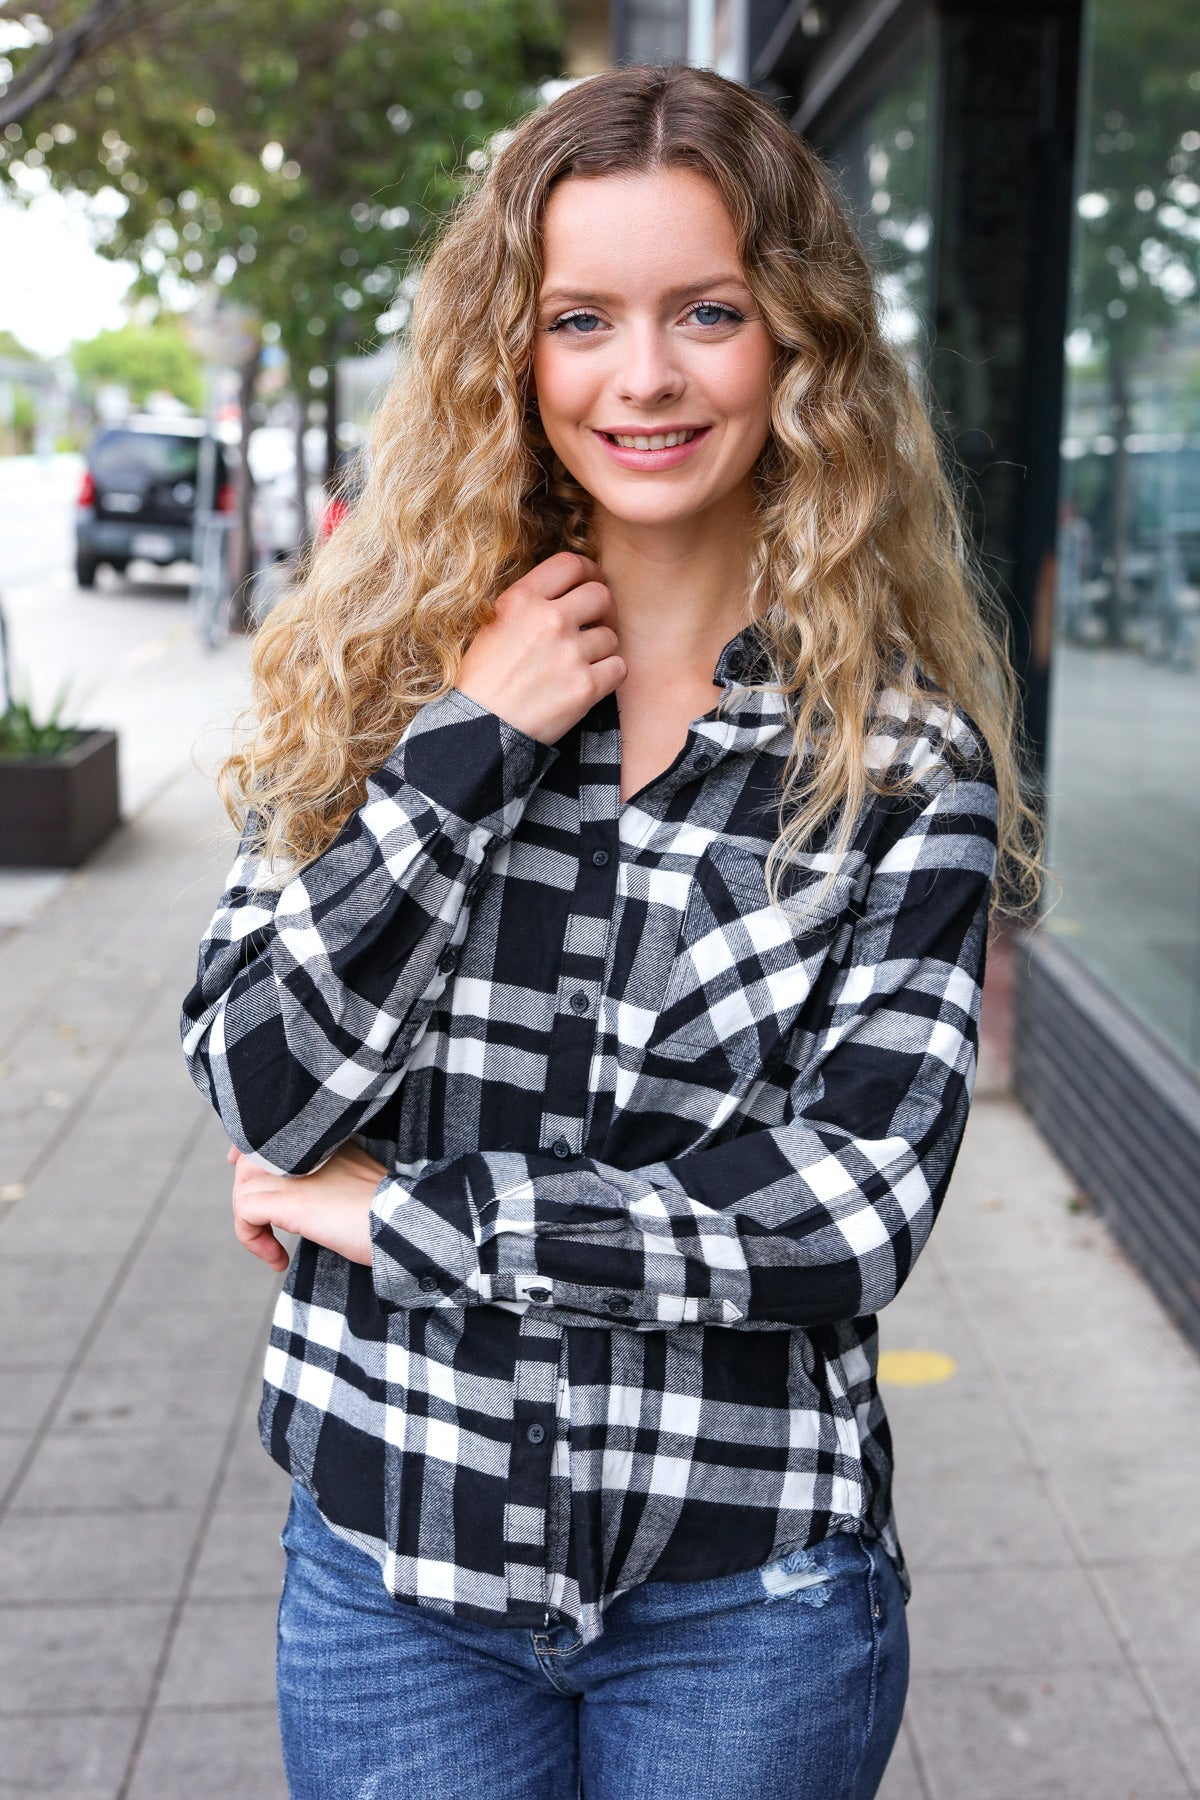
<point>660,441</point>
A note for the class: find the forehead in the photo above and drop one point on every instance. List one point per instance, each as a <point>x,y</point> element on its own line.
<point>636,233</point>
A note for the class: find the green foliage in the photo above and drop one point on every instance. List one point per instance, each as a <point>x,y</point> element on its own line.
<point>145,359</point>
<point>13,350</point>
<point>1139,254</point>
<point>22,735</point>
<point>300,169</point>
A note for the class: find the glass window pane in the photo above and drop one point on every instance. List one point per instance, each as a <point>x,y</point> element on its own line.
<point>1124,776</point>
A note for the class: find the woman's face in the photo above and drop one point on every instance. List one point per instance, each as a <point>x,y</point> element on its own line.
<point>645,329</point>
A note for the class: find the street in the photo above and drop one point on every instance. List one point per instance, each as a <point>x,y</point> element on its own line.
<point>1040,1398</point>
<point>125,649</point>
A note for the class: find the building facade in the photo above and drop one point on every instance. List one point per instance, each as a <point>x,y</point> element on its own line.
<point>1026,175</point>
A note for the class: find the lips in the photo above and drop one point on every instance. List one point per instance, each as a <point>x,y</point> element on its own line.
<point>650,450</point>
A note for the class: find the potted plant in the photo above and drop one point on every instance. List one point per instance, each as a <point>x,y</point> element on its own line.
<point>58,783</point>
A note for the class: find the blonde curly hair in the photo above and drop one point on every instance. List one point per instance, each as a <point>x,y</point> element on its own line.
<point>862,580</point>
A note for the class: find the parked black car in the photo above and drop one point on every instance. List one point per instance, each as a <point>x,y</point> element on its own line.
<point>138,494</point>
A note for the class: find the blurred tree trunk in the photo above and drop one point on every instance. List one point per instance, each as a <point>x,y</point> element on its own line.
<point>331,419</point>
<point>1118,607</point>
<point>302,532</point>
<point>242,572</point>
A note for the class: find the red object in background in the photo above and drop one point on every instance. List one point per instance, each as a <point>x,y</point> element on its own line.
<point>87,490</point>
<point>227,498</point>
<point>334,512</point>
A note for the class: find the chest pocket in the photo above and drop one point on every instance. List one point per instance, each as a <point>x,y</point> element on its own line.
<point>743,969</point>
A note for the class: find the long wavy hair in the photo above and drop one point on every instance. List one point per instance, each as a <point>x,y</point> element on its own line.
<point>861,575</point>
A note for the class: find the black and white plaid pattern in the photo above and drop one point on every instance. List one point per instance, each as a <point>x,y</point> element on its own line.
<point>659,1151</point>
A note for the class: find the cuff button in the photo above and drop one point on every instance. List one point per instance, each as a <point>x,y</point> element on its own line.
<point>429,1284</point>
<point>618,1303</point>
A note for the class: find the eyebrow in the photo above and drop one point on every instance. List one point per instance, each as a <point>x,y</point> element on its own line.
<point>675,293</point>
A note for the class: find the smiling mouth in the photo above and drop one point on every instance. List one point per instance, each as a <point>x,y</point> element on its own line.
<point>658,440</point>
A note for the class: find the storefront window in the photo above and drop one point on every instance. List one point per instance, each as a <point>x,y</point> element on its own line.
<point>1123,787</point>
<point>882,165</point>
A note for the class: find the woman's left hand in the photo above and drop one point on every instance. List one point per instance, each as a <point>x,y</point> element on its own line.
<point>332,1206</point>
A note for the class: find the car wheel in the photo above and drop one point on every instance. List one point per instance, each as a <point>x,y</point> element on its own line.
<point>85,572</point>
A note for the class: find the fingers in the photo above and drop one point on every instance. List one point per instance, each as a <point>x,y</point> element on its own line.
<point>260,1241</point>
<point>559,574</point>
<point>598,642</point>
<point>589,604</point>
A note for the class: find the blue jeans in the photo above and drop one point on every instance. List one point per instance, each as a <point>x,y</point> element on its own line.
<point>780,1684</point>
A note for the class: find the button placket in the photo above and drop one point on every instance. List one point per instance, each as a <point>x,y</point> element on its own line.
<point>588,927</point>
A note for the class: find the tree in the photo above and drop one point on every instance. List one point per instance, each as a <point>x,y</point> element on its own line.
<point>1138,255</point>
<point>143,359</point>
<point>50,43</point>
<point>298,169</point>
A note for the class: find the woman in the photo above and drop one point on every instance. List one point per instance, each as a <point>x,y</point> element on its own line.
<point>595,990</point>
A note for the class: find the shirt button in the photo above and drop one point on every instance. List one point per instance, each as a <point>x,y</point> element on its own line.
<point>618,1303</point>
<point>599,857</point>
<point>448,961</point>
<point>535,1432</point>
<point>703,760</point>
<point>578,1002</point>
<point>428,1284</point>
<point>561,1147</point>
<point>541,1295</point>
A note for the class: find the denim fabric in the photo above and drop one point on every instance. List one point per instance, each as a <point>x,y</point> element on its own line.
<point>780,1683</point>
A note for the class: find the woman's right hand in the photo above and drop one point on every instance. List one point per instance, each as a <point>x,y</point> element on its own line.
<point>550,651</point>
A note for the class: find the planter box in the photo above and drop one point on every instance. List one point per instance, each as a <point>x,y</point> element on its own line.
<point>54,810</point>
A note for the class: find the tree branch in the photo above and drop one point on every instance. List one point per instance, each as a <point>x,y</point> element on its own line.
<point>45,71</point>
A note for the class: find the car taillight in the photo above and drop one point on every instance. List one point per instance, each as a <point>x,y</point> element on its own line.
<point>87,490</point>
<point>335,511</point>
<point>227,498</point>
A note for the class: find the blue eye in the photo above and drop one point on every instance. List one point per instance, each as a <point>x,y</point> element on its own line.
<point>583,322</point>
<point>723,314</point>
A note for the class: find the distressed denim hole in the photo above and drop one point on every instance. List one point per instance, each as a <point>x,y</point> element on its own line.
<point>802,1574</point>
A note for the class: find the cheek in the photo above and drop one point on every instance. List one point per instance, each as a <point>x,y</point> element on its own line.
<point>745,390</point>
<point>564,387</point>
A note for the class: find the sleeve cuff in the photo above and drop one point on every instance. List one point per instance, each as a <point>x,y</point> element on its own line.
<point>423,1241</point>
<point>470,762</point>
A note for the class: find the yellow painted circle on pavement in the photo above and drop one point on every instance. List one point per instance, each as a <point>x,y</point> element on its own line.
<point>915,1368</point>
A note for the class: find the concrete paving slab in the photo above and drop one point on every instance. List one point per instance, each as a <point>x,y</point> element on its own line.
<point>1107,1502</point>
<point>70,1659</point>
<point>49,1305</point>
<point>26,1391</point>
<point>943,1527</point>
<point>994,1621</point>
<point>133,1473</point>
<point>241,1557</point>
<point>131,1397</point>
<point>252,1479</point>
<point>180,1334</point>
<point>1062,1734</point>
<point>94,1556</point>
<point>80,1756</point>
<point>215,1751</point>
<point>223,1654</point>
<point>13,1448</point>
<point>1156,1607</point>
<point>902,1778</point>
<point>1173,1684</point>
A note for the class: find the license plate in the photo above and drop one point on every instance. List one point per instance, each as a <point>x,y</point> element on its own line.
<point>155,545</point>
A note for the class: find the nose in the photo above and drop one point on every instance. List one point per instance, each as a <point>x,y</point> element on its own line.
<point>649,373</point>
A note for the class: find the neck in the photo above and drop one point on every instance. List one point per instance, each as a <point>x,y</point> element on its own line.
<point>679,588</point>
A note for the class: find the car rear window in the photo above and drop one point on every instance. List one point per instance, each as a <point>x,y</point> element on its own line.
<point>144,455</point>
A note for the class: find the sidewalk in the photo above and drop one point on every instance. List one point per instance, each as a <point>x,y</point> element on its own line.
<point>1046,1484</point>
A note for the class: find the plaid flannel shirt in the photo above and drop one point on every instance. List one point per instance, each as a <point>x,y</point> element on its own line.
<point>657,1151</point>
